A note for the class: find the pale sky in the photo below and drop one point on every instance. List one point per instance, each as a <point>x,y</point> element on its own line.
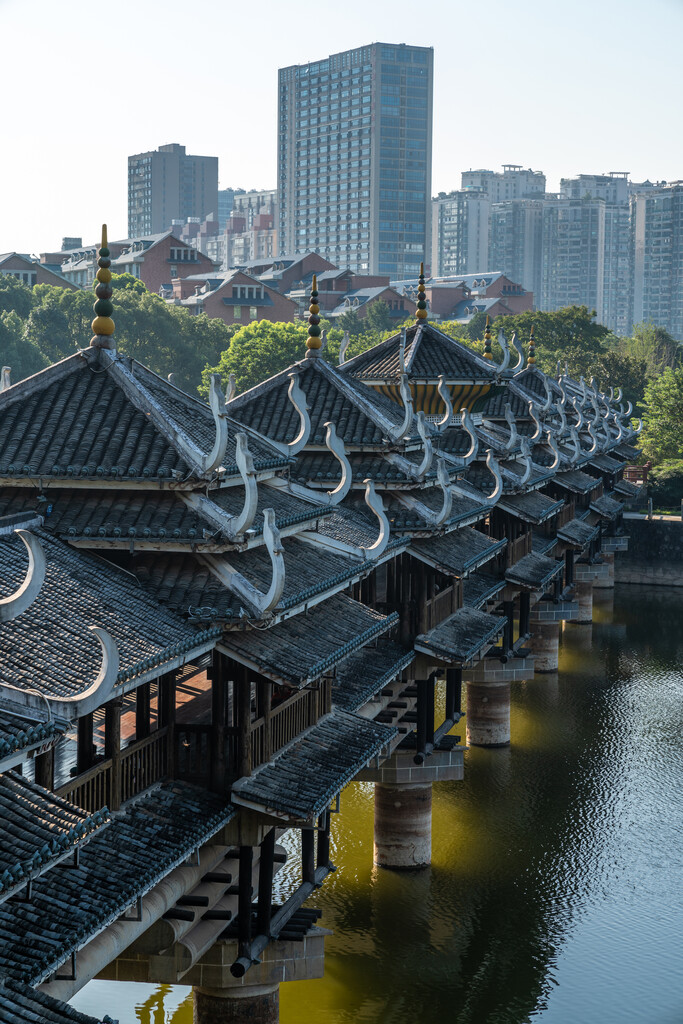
<point>582,86</point>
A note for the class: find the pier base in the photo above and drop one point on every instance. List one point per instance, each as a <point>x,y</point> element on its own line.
<point>545,644</point>
<point>488,714</point>
<point>255,1004</point>
<point>584,594</point>
<point>606,580</point>
<point>403,825</point>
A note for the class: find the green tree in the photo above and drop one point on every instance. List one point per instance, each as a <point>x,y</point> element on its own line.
<point>616,369</point>
<point>654,346</point>
<point>128,283</point>
<point>22,356</point>
<point>48,329</point>
<point>378,317</point>
<point>15,295</point>
<point>569,335</point>
<point>351,322</point>
<point>258,351</point>
<point>662,435</point>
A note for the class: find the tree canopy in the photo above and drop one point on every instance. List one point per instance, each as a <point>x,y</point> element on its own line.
<point>662,435</point>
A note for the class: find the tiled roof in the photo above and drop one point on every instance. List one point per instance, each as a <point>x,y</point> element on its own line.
<point>18,732</point>
<point>577,533</point>
<point>576,481</point>
<point>542,544</point>
<point>458,552</point>
<point>606,464</point>
<point>38,829</point>
<point>304,647</point>
<point>22,1004</point>
<point>531,507</point>
<point>405,519</point>
<point>607,507</point>
<point>75,420</point>
<point>316,468</point>
<point>365,673</point>
<point>145,841</point>
<point>360,415</point>
<point>49,647</point>
<point>480,587</point>
<point>627,451</point>
<point>493,404</point>
<point>533,571</point>
<point>429,353</point>
<point>301,782</point>
<point>289,508</point>
<point>626,488</point>
<point>461,636</point>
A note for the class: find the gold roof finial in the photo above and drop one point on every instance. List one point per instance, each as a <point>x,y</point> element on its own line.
<point>313,341</point>
<point>421,311</point>
<point>532,348</point>
<point>488,352</point>
<point>103,325</point>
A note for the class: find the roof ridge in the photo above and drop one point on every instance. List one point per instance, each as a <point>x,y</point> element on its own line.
<point>45,377</point>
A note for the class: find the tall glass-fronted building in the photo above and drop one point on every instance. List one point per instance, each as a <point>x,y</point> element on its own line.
<point>355,158</point>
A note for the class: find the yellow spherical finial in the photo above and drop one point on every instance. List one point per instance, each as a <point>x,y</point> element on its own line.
<point>421,311</point>
<point>532,348</point>
<point>103,325</point>
<point>313,341</point>
<point>488,353</point>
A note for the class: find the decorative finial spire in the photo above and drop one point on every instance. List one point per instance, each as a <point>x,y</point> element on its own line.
<point>313,341</point>
<point>488,353</point>
<point>103,325</point>
<point>421,312</point>
<point>532,348</point>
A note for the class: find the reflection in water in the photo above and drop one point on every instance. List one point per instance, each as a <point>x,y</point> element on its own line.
<point>556,889</point>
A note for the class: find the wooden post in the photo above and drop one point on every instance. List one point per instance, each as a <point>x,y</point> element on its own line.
<point>509,612</point>
<point>244,720</point>
<point>406,631</point>
<point>112,749</point>
<point>422,713</point>
<point>569,567</point>
<point>166,702</point>
<point>142,707</point>
<point>423,611</point>
<point>308,855</point>
<point>85,755</point>
<point>267,704</point>
<point>45,769</point>
<point>524,612</point>
<point>217,675</point>
<point>265,884</point>
<point>244,900</point>
<point>453,691</point>
<point>324,840</point>
<point>431,687</point>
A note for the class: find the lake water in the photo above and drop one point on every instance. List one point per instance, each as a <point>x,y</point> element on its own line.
<point>556,889</point>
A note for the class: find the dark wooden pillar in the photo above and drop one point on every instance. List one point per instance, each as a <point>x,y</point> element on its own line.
<point>166,703</point>
<point>243,701</point>
<point>508,636</point>
<point>265,884</point>
<point>324,840</point>
<point>85,755</point>
<point>308,855</point>
<point>524,613</point>
<point>45,769</point>
<point>423,705</point>
<point>266,710</point>
<point>423,624</point>
<point>406,631</point>
<point>217,675</point>
<point>453,691</point>
<point>142,712</point>
<point>246,859</point>
<point>112,749</point>
<point>569,567</point>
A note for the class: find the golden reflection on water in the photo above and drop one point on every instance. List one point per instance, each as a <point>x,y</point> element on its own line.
<point>545,859</point>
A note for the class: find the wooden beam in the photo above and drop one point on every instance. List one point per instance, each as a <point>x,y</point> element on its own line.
<point>265,884</point>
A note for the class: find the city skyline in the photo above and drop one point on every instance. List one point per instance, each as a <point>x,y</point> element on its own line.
<point>588,123</point>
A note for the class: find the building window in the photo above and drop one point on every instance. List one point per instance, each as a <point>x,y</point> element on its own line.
<point>237,312</point>
<point>253,312</point>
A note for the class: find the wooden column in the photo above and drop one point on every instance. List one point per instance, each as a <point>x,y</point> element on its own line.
<point>243,705</point>
<point>323,859</point>
<point>142,710</point>
<point>508,636</point>
<point>308,855</point>
<point>246,858</point>
<point>45,769</point>
<point>166,702</point>
<point>569,567</point>
<point>85,755</point>
<point>266,701</point>
<point>265,884</point>
<point>112,749</point>
<point>406,631</point>
<point>217,675</point>
<point>423,704</point>
<point>423,623</point>
<point>524,612</point>
<point>453,691</point>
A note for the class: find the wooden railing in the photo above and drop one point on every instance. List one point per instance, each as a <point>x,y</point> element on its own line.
<point>286,721</point>
<point>192,752</point>
<point>518,548</point>
<point>115,780</point>
<point>143,763</point>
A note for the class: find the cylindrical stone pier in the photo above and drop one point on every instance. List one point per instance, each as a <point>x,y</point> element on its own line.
<point>545,645</point>
<point>403,825</point>
<point>246,1004</point>
<point>584,596</point>
<point>607,583</point>
<point>488,714</point>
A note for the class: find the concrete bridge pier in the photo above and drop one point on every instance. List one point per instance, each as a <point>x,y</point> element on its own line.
<point>403,825</point>
<point>545,644</point>
<point>606,580</point>
<point>488,713</point>
<point>584,595</point>
<point>252,1004</point>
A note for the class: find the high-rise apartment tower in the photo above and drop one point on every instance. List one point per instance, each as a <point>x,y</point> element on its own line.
<point>355,158</point>
<point>166,185</point>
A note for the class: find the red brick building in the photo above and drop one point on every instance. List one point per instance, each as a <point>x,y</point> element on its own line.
<point>15,264</point>
<point>234,297</point>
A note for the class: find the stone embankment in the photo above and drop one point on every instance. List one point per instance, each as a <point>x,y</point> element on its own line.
<point>655,551</point>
